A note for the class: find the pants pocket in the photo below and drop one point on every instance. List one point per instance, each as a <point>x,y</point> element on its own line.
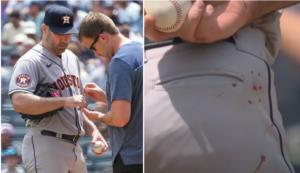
<point>211,79</point>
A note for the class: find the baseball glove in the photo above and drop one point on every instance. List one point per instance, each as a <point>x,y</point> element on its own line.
<point>43,90</point>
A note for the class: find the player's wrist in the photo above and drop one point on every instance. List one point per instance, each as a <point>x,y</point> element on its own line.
<point>66,101</point>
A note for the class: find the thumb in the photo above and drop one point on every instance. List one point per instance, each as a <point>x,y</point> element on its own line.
<point>149,21</point>
<point>94,140</point>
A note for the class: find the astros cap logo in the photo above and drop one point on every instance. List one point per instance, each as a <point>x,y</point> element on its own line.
<point>66,19</point>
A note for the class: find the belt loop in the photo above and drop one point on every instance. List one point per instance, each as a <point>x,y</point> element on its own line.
<point>145,56</point>
<point>58,135</point>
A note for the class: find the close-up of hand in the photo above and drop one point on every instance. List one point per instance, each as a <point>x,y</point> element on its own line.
<point>205,23</point>
<point>93,91</point>
<point>96,136</point>
<point>76,101</point>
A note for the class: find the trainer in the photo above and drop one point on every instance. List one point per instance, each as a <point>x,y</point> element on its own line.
<point>124,90</point>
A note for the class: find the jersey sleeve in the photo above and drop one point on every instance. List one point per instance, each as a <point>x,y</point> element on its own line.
<point>269,24</point>
<point>24,77</point>
<point>121,79</point>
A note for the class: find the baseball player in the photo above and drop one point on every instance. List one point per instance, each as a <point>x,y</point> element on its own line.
<point>212,108</point>
<point>124,90</point>
<point>51,145</point>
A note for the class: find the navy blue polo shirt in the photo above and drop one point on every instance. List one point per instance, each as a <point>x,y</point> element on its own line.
<point>125,82</point>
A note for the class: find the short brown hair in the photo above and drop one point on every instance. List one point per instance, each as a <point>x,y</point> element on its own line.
<point>93,23</point>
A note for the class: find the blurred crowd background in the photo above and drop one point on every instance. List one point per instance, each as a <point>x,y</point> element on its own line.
<point>21,30</point>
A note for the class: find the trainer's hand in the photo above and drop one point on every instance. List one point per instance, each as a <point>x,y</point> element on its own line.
<point>76,101</point>
<point>92,114</point>
<point>186,32</point>
<point>96,136</point>
<point>91,90</point>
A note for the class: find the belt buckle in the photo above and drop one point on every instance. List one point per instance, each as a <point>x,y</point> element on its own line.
<point>75,138</point>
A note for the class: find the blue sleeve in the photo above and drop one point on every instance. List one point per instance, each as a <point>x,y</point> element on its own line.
<point>121,79</point>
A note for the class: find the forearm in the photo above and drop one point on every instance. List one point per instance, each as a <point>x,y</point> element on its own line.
<point>257,9</point>
<point>35,105</point>
<point>110,119</point>
<point>106,118</point>
<point>290,25</point>
<point>89,126</point>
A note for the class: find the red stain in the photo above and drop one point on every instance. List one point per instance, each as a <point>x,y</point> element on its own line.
<point>268,128</point>
<point>262,159</point>
<point>234,84</point>
<point>250,102</point>
<point>254,88</point>
<point>259,100</point>
<point>260,88</point>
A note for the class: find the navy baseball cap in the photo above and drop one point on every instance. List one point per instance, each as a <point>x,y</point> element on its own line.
<point>60,20</point>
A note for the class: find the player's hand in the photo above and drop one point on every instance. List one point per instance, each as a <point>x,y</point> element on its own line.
<point>92,114</point>
<point>186,32</point>
<point>91,90</point>
<point>96,136</point>
<point>221,21</point>
<point>204,23</point>
<point>76,101</point>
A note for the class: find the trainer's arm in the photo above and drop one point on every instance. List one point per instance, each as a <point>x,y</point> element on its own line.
<point>118,116</point>
<point>34,105</point>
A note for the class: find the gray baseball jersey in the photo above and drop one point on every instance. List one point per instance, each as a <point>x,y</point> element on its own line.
<point>39,66</point>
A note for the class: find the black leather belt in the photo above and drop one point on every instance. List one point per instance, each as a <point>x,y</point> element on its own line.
<point>175,40</point>
<point>71,138</point>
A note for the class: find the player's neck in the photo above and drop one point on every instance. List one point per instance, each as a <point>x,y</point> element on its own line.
<point>45,45</point>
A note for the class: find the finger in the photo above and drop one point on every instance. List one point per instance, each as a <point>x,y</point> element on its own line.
<point>84,111</point>
<point>89,85</point>
<point>193,18</point>
<point>152,33</point>
<point>87,95</point>
<point>94,140</point>
<point>84,102</point>
<point>91,90</point>
<point>105,149</point>
<point>202,31</point>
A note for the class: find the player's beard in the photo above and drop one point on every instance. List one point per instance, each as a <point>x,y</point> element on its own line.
<point>53,47</point>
